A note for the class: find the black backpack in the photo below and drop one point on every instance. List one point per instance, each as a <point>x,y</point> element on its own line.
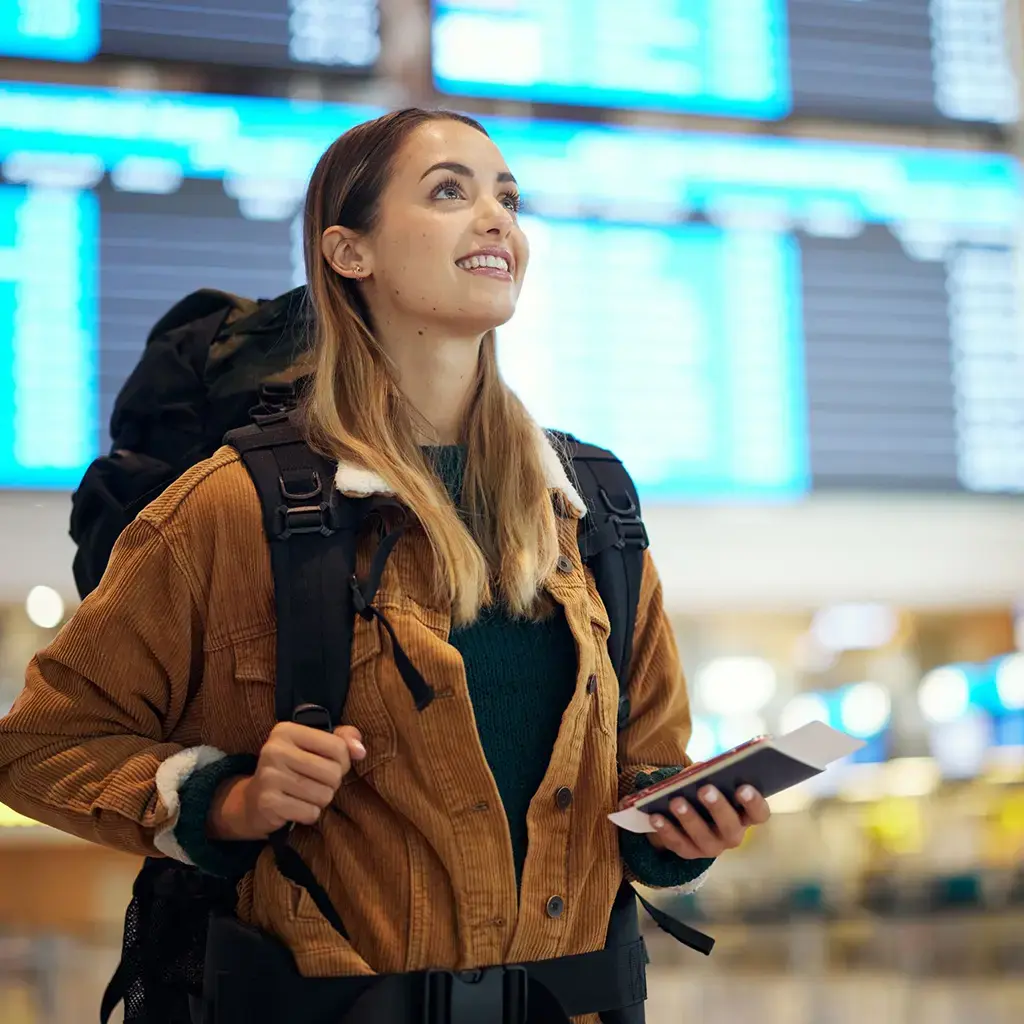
<point>219,369</point>
<point>207,362</point>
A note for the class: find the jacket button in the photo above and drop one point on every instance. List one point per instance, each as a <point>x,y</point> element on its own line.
<point>564,563</point>
<point>563,798</point>
<point>592,685</point>
<point>555,906</point>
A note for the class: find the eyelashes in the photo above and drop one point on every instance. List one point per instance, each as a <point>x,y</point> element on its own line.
<point>511,198</point>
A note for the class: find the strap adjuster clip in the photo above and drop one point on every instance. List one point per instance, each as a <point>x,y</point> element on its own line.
<point>302,519</point>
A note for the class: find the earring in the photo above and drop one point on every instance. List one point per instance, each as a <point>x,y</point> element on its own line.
<point>358,269</point>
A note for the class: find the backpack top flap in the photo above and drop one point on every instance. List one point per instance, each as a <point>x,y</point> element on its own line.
<point>160,410</point>
<point>270,345</point>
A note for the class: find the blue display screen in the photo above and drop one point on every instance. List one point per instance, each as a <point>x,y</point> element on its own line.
<point>48,325</point>
<point>692,336</point>
<point>703,56</point>
<point>903,60</point>
<point>334,34</point>
<point>736,317</point>
<point>50,29</point>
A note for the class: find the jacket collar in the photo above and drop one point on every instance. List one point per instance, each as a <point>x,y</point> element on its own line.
<point>354,481</point>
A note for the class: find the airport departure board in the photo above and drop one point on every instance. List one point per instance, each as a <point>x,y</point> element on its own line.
<point>738,318</point>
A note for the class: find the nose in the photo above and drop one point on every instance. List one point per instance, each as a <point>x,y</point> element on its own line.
<point>495,219</point>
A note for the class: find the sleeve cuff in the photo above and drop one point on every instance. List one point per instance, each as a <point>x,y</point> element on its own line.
<point>659,869</point>
<point>187,790</point>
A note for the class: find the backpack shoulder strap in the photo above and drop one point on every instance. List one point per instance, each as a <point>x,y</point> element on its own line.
<point>312,531</point>
<point>612,543</point>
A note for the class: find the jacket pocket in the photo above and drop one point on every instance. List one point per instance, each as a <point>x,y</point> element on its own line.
<point>255,664</point>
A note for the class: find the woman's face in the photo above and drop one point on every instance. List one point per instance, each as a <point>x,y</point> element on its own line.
<point>447,252</point>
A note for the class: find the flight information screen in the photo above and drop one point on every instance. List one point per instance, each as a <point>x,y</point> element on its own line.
<point>260,33</point>
<point>903,60</point>
<point>738,318</point>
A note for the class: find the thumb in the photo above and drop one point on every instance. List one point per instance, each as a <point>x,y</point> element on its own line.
<point>353,739</point>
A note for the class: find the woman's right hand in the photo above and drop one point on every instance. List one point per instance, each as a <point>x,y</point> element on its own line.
<point>299,771</point>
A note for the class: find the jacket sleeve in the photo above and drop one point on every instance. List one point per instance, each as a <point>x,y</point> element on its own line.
<point>653,744</point>
<point>86,747</point>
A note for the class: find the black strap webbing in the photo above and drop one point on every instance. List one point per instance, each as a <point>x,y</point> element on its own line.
<point>680,930</point>
<point>312,532</point>
<point>295,869</point>
<point>612,543</point>
<point>556,990</point>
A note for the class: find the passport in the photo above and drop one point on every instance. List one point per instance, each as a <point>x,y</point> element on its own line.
<point>769,764</point>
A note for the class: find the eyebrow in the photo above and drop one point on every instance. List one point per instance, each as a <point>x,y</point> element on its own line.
<point>456,168</point>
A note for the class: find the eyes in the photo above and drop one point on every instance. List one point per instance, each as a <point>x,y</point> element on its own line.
<point>451,189</point>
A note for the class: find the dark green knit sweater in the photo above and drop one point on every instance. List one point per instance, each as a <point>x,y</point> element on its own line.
<point>521,675</point>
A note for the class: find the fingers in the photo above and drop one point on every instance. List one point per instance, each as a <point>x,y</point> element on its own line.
<point>323,770</point>
<point>669,837</point>
<point>304,789</point>
<point>704,840</point>
<point>342,745</point>
<point>728,826</point>
<point>755,808</point>
<point>352,737</point>
<point>695,835</point>
<point>277,810</point>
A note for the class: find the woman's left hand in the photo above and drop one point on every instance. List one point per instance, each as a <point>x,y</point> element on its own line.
<point>689,836</point>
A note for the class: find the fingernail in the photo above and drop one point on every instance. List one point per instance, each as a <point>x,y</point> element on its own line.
<point>680,807</point>
<point>709,796</point>
<point>658,823</point>
<point>358,749</point>
<point>747,794</point>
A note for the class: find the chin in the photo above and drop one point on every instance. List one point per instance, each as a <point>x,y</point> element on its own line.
<point>485,317</point>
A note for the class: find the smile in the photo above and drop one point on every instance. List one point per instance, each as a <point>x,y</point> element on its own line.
<point>487,264</point>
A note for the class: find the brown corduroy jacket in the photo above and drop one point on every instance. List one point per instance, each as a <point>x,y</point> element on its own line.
<point>170,664</point>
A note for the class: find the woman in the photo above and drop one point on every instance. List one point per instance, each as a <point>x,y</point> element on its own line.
<point>473,833</point>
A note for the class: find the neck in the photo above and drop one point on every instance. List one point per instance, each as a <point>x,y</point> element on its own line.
<point>436,374</point>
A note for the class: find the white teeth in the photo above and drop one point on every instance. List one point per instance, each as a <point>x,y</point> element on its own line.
<point>474,262</point>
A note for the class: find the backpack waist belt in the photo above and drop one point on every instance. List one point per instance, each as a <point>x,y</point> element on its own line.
<point>250,978</point>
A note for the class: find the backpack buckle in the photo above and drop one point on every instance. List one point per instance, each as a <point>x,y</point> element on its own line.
<point>625,519</point>
<point>629,531</point>
<point>495,994</point>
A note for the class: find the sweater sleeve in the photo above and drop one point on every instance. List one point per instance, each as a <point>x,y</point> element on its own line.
<point>224,858</point>
<point>659,869</point>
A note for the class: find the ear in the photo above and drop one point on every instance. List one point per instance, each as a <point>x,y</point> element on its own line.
<point>347,253</point>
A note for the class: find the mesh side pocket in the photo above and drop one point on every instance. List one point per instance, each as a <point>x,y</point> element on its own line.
<point>164,944</point>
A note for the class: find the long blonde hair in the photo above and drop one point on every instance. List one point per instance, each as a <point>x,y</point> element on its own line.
<point>505,543</point>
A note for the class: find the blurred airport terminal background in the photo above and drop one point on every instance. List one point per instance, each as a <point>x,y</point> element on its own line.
<point>776,267</point>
